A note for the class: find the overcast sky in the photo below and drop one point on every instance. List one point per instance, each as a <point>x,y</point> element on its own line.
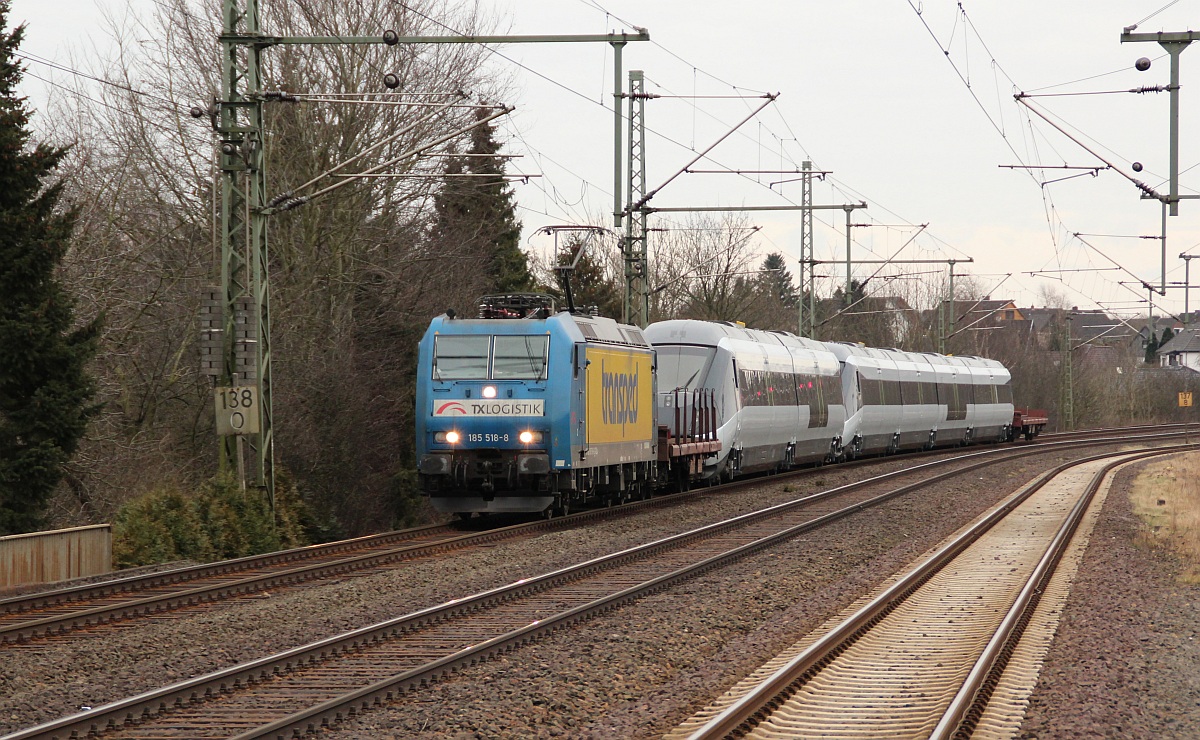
<point>867,92</point>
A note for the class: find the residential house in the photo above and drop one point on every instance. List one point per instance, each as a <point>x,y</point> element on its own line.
<point>1181,351</point>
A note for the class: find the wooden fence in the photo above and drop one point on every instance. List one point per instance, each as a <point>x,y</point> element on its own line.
<point>57,555</point>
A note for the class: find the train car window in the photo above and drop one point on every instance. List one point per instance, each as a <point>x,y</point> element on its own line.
<point>1004,393</point>
<point>783,389</point>
<point>461,357</point>
<point>804,389</point>
<point>818,408</point>
<point>683,368</point>
<point>871,392</point>
<point>956,409</point>
<point>520,358</point>
<point>751,388</point>
<point>984,394</point>
<point>833,390</point>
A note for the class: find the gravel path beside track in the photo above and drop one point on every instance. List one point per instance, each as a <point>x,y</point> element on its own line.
<point>633,673</point>
<point>1126,660</point>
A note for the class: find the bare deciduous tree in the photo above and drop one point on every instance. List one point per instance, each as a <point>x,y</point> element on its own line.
<point>353,281</point>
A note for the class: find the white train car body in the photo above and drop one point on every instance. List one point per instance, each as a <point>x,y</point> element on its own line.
<point>905,400</point>
<point>778,396</point>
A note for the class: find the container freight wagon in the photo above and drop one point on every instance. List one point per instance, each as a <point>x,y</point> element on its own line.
<point>534,413</point>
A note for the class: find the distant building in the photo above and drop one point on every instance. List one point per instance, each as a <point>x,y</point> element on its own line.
<point>985,311</point>
<point>1181,351</point>
<point>1089,325</point>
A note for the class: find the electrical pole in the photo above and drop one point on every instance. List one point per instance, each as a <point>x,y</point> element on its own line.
<point>236,320</point>
<point>1069,389</point>
<point>1187,285</point>
<point>807,282</point>
<point>242,310</point>
<point>849,208</point>
<point>636,252</point>
<point>1174,43</point>
<point>949,331</point>
<point>637,276</point>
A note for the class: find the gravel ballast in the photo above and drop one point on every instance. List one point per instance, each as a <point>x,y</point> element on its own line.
<point>634,672</point>
<point>1126,660</point>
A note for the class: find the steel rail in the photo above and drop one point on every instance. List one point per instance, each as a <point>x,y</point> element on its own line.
<point>745,713</point>
<point>118,585</point>
<point>15,632</point>
<point>154,702</point>
<point>26,602</point>
<point>964,711</point>
<point>336,710</point>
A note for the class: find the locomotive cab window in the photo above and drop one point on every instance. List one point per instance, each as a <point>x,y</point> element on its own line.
<point>461,357</point>
<point>681,367</point>
<point>520,358</point>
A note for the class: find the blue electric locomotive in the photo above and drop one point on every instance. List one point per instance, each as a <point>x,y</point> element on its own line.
<point>528,410</point>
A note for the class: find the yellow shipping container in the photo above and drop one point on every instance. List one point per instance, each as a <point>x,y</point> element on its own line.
<point>620,396</point>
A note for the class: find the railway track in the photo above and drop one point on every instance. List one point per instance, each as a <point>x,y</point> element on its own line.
<point>59,614</point>
<point>321,683</point>
<point>924,657</point>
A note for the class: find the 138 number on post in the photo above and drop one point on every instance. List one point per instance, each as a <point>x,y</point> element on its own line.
<point>237,410</point>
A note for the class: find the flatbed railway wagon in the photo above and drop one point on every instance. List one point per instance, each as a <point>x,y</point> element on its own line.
<point>1028,423</point>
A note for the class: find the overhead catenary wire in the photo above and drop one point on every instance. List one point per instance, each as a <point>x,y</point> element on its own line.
<point>650,130</point>
<point>1051,210</point>
<point>493,50</point>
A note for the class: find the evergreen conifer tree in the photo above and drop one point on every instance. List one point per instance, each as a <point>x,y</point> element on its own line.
<point>779,279</point>
<point>477,215</point>
<point>45,392</point>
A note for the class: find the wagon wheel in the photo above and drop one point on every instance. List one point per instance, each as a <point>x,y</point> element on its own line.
<point>683,479</point>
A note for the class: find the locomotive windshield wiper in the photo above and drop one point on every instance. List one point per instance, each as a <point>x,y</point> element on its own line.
<point>533,368</point>
<point>688,384</point>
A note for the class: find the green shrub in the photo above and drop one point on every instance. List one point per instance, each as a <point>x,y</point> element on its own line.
<point>217,522</point>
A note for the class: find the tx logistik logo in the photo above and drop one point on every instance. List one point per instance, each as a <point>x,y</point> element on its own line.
<point>619,396</point>
<point>450,408</point>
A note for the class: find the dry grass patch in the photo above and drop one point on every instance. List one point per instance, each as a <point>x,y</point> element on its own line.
<point>1166,496</point>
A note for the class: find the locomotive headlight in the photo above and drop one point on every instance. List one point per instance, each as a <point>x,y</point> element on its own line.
<point>446,437</point>
<point>527,437</point>
<point>489,391</point>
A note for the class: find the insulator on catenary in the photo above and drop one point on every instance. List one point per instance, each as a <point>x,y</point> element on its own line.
<point>279,199</point>
<point>293,203</point>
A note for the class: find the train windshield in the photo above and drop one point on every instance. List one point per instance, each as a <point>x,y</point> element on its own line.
<point>520,358</point>
<point>682,367</point>
<point>461,358</point>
